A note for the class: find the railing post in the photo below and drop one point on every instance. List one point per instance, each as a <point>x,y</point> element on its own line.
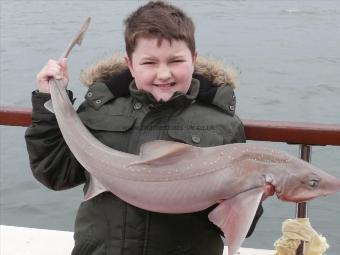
<point>301,208</point>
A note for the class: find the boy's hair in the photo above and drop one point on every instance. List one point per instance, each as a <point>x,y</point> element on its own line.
<point>160,20</point>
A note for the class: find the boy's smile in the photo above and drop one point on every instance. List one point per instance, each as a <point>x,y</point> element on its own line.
<point>161,68</point>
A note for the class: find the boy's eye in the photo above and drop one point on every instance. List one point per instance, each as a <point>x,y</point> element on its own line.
<point>148,63</point>
<point>177,61</point>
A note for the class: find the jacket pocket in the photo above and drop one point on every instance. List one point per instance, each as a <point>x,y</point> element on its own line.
<point>118,123</point>
<point>112,130</point>
<point>196,137</point>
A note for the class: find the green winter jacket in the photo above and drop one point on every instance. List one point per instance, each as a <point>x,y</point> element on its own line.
<point>105,224</point>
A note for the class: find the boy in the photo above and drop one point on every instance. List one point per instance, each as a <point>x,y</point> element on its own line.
<point>161,100</point>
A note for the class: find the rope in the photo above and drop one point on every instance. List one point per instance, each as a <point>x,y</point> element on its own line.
<point>296,230</point>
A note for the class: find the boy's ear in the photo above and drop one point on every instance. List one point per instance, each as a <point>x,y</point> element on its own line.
<point>129,64</point>
<point>194,58</point>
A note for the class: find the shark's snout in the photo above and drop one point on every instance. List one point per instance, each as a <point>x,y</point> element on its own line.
<point>331,186</point>
<point>335,184</point>
<point>338,184</point>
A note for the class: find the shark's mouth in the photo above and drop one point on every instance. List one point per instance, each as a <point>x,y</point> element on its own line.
<point>289,198</point>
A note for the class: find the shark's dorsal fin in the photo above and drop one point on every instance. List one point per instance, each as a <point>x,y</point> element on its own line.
<point>235,215</point>
<point>161,152</point>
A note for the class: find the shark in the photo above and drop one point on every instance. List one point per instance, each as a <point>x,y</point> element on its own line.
<point>172,177</point>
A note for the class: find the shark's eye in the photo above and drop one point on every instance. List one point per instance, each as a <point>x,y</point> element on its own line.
<point>313,183</point>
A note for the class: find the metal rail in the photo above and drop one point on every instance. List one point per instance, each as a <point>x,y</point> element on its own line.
<point>304,134</point>
<point>301,208</point>
<point>257,130</point>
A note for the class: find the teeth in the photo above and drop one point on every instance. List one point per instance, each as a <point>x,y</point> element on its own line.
<point>164,85</point>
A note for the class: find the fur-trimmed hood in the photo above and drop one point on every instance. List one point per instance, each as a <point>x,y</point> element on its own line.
<point>211,69</point>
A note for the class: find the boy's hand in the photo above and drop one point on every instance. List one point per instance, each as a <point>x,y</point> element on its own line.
<point>269,190</point>
<point>53,69</point>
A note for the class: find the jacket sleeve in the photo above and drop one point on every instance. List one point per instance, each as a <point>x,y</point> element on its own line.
<point>51,161</point>
<point>240,137</point>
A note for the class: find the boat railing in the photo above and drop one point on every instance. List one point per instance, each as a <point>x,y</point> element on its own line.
<point>305,135</point>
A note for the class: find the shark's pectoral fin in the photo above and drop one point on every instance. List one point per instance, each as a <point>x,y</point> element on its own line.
<point>234,217</point>
<point>161,152</point>
<point>95,188</point>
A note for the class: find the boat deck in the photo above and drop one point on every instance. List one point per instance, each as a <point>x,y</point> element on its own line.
<point>29,241</point>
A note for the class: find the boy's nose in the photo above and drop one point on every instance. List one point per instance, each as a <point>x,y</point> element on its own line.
<point>163,73</point>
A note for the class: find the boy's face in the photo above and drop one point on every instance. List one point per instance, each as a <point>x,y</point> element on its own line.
<point>161,69</point>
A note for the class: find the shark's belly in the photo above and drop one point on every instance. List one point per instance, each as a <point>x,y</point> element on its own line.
<point>178,196</point>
